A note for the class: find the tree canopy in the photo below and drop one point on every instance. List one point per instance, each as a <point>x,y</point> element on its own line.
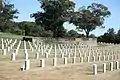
<point>89,18</point>
<point>7,14</point>
<point>55,13</point>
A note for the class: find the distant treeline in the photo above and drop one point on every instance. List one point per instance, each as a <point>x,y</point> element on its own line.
<point>32,29</point>
<point>110,36</point>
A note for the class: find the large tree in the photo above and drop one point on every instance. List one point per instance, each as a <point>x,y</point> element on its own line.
<point>7,14</point>
<point>54,14</point>
<point>89,18</point>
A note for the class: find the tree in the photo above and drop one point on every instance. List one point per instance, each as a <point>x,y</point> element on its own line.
<point>7,14</point>
<point>30,28</point>
<point>118,37</point>
<point>89,18</point>
<point>72,34</point>
<point>118,33</point>
<point>92,36</point>
<point>55,13</point>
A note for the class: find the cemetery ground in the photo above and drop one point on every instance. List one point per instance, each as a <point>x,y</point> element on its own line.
<point>11,70</point>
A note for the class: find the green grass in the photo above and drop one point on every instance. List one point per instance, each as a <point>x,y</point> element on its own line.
<point>10,36</point>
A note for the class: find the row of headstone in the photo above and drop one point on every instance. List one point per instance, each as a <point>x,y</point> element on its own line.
<point>26,65</point>
<point>47,50</point>
<point>65,50</point>
<point>104,67</point>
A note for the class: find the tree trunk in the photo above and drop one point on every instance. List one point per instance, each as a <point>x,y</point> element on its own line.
<point>87,33</point>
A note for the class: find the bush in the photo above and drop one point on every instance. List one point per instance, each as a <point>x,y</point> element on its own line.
<point>18,32</point>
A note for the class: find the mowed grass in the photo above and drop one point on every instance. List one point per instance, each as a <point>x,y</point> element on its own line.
<point>10,36</point>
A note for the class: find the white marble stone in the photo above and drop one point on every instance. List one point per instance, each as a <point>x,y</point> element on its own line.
<point>93,58</point>
<point>111,66</point>
<point>88,58</point>
<point>27,64</point>
<point>54,62</point>
<point>117,65</point>
<point>37,55</point>
<point>42,63</point>
<point>94,69</point>
<point>81,59</point>
<point>13,56</point>
<point>74,60</point>
<point>99,58</point>
<point>26,56</point>
<point>4,51</point>
<point>65,60</point>
<point>8,48</point>
<point>104,67</point>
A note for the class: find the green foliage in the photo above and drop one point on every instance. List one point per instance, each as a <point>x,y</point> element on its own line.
<point>89,18</point>
<point>18,32</point>
<point>72,34</point>
<point>7,14</point>
<point>55,13</point>
<point>30,28</point>
<point>47,33</point>
<point>110,36</point>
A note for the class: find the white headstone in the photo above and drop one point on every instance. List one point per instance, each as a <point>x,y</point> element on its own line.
<point>27,64</point>
<point>104,67</point>
<point>94,69</point>
<point>55,52</point>
<point>62,55</point>
<point>88,59</point>
<point>42,63</point>
<point>2,43</point>
<point>4,51</point>
<point>99,58</point>
<point>26,56</point>
<point>112,57</point>
<point>111,66</point>
<point>13,56</point>
<point>81,59</point>
<point>8,48</point>
<point>93,58</point>
<point>108,57</point>
<point>46,55</point>
<point>117,65</point>
<point>37,55</point>
<point>65,60</point>
<point>74,60</point>
<point>23,67</point>
<point>68,55</point>
<point>54,61</point>
<point>103,57</point>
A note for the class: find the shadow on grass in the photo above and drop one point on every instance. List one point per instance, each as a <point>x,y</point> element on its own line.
<point>89,73</point>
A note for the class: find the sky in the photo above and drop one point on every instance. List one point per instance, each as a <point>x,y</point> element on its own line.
<point>27,7</point>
